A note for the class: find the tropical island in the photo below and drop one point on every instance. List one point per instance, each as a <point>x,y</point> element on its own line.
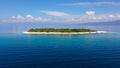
<point>61,31</point>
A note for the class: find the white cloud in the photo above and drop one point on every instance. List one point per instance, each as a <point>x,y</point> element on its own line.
<point>26,18</point>
<point>55,13</point>
<point>90,12</point>
<point>112,16</point>
<point>90,17</point>
<point>18,17</point>
<point>93,4</point>
<point>29,16</point>
<point>118,16</point>
<point>13,17</point>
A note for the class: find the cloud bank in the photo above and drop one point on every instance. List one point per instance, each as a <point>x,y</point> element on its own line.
<point>26,18</point>
<point>93,4</point>
<point>55,13</point>
<point>63,17</point>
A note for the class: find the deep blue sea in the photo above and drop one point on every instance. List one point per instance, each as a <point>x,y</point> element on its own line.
<point>19,50</point>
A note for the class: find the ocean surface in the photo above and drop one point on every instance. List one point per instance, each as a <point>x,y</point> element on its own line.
<point>19,50</point>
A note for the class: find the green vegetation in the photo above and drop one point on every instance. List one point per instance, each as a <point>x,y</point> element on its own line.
<point>59,30</point>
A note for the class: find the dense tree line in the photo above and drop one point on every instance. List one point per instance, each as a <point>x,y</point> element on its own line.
<point>59,30</point>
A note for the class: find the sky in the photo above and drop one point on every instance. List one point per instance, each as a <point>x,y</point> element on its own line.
<point>65,11</point>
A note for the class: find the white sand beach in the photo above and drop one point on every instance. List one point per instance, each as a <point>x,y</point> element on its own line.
<point>64,32</point>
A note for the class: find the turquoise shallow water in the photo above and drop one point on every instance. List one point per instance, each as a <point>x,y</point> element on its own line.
<point>59,51</point>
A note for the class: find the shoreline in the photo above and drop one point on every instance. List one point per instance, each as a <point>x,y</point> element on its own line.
<point>97,32</point>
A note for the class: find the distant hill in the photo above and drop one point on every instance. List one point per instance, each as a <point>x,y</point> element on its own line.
<point>100,23</point>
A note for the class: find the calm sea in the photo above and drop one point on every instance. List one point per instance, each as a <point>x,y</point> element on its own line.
<point>59,51</point>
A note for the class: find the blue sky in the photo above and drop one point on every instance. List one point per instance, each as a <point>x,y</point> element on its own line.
<point>72,11</point>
